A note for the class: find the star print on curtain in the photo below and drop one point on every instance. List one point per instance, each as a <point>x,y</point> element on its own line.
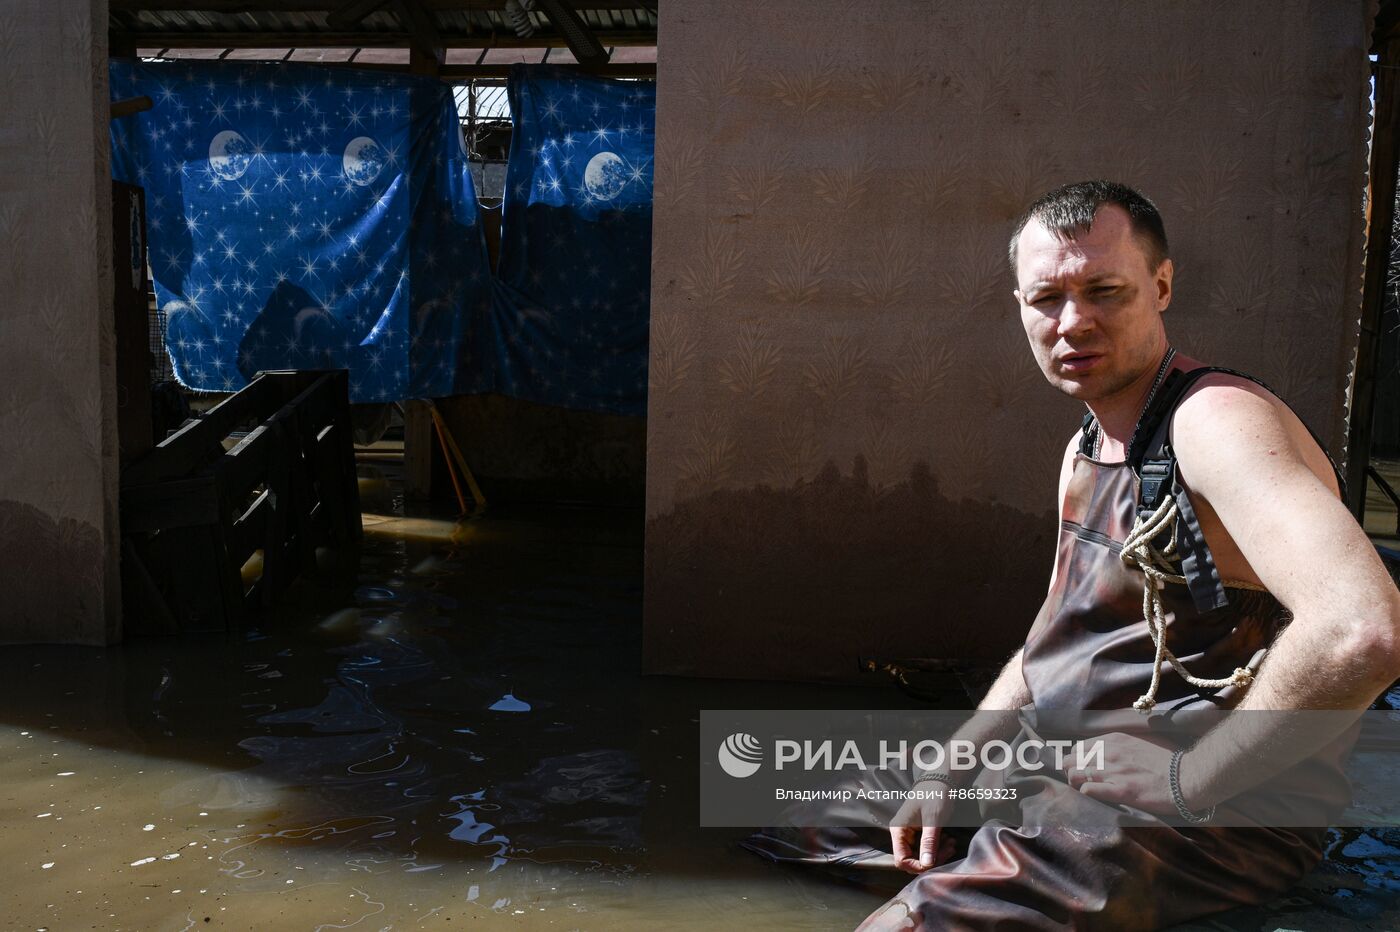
<point>303,218</point>
<point>574,276</point>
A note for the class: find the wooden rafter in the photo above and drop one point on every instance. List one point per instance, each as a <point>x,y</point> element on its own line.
<point>191,39</point>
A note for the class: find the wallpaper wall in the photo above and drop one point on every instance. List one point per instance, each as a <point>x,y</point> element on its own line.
<point>851,453</point>
<point>58,474</point>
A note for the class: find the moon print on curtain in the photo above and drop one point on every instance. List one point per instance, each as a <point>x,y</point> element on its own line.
<point>575,266</point>
<point>304,218</point>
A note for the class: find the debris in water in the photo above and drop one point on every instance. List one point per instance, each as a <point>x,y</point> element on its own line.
<point>508,703</point>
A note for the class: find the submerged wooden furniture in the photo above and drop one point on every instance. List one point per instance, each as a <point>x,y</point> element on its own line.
<point>199,508</point>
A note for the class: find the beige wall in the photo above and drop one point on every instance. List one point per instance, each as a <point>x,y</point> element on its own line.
<point>58,473</point>
<point>851,453</point>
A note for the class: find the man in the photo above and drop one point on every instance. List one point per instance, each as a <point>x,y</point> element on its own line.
<point>1185,612</point>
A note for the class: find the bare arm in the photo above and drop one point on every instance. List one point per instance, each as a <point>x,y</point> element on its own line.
<point>1342,647</point>
<point>1009,691</point>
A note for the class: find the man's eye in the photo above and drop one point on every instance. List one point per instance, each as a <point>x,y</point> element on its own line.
<point>1042,300</point>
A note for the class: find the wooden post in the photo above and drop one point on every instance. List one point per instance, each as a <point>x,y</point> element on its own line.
<point>1384,152</point>
<point>425,56</point>
<point>426,52</point>
<point>417,450</point>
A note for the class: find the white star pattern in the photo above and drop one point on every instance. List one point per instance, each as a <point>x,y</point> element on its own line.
<point>259,216</point>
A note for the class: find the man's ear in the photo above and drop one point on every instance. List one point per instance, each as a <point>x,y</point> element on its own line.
<point>1165,271</point>
<point>1016,293</point>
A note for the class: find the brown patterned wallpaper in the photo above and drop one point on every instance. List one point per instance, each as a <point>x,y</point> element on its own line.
<point>58,474</point>
<point>851,453</point>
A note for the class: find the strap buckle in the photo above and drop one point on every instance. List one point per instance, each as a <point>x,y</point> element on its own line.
<point>1155,481</point>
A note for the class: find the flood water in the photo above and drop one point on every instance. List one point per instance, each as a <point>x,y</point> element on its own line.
<point>463,737</point>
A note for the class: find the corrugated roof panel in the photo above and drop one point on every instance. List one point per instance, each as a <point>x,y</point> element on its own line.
<point>329,54</point>
<point>256,54</point>
<point>511,56</point>
<point>634,54</point>
<point>382,56</point>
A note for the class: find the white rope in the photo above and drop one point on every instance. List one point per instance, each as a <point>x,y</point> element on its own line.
<point>1158,570</point>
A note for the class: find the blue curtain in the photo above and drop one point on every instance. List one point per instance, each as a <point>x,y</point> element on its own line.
<point>575,265</point>
<point>305,218</point>
<point>302,217</point>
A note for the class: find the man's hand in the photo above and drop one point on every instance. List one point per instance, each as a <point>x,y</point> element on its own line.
<point>924,819</point>
<point>1134,774</point>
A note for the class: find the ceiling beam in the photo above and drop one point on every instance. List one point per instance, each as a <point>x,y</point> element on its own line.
<point>425,40</point>
<point>321,6</point>
<point>458,73</point>
<point>191,39</point>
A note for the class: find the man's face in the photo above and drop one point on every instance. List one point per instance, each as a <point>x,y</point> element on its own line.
<point>1092,306</point>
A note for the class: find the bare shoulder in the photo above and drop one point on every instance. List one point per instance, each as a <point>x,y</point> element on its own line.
<point>1225,423</point>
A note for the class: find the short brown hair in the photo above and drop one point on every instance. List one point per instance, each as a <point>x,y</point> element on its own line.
<point>1071,208</point>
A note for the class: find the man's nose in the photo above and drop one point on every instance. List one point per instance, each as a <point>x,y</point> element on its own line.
<point>1075,318</point>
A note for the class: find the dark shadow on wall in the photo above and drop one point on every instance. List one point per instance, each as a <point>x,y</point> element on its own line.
<point>32,544</point>
<point>806,582</point>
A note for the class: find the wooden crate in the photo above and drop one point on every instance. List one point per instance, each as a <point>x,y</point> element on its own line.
<point>202,503</point>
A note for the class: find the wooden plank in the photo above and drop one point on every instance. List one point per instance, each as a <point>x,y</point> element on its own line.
<point>201,440</point>
<point>277,556</point>
<point>1385,150</point>
<point>248,532</point>
<point>243,468</point>
<point>456,453</point>
<point>303,488</point>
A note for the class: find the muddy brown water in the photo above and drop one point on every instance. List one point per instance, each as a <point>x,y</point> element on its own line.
<point>462,738</point>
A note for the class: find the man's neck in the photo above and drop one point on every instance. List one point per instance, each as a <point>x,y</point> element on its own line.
<point>1118,414</point>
